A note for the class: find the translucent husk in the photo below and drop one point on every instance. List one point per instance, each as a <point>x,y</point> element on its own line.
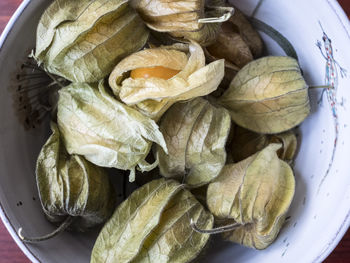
<point>154,96</point>
<point>107,132</point>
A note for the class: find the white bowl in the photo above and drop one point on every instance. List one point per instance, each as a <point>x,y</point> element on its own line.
<point>320,213</point>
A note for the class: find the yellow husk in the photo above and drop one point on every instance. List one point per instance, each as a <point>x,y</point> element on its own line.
<point>154,96</point>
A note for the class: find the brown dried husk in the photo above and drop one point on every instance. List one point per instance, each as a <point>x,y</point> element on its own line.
<point>238,43</point>
<point>247,32</point>
<point>245,143</point>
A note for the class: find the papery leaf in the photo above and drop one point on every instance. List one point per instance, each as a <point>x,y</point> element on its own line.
<point>107,132</point>
<point>205,154</point>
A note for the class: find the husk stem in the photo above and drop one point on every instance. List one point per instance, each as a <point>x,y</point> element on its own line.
<point>64,225</point>
<point>222,229</point>
<point>217,230</point>
<point>229,11</point>
<point>321,87</point>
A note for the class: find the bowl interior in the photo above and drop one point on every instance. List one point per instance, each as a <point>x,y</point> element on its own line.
<point>319,213</point>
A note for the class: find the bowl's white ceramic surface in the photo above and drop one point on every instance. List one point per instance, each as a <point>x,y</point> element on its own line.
<point>320,213</point>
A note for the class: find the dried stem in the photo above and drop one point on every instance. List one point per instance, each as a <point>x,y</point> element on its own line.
<point>55,79</point>
<point>65,224</point>
<point>321,87</point>
<point>229,11</point>
<point>214,231</point>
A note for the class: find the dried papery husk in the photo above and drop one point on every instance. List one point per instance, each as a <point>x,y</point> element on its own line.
<point>153,96</point>
<point>269,95</point>
<point>289,145</point>
<point>153,225</point>
<point>238,43</point>
<point>179,16</point>
<point>246,143</point>
<point>231,71</point>
<point>107,132</point>
<point>73,192</point>
<point>195,133</point>
<point>83,40</point>
<point>256,193</point>
<point>230,45</point>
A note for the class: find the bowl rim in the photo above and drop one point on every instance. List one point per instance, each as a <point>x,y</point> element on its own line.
<point>343,19</point>
<point>4,218</point>
<point>344,226</point>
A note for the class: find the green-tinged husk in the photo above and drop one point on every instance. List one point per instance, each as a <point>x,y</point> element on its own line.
<point>153,225</point>
<point>195,133</point>
<point>83,40</point>
<point>256,193</point>
<point>269,95</point>
<point>71,186</point>
<point>107,132</point>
